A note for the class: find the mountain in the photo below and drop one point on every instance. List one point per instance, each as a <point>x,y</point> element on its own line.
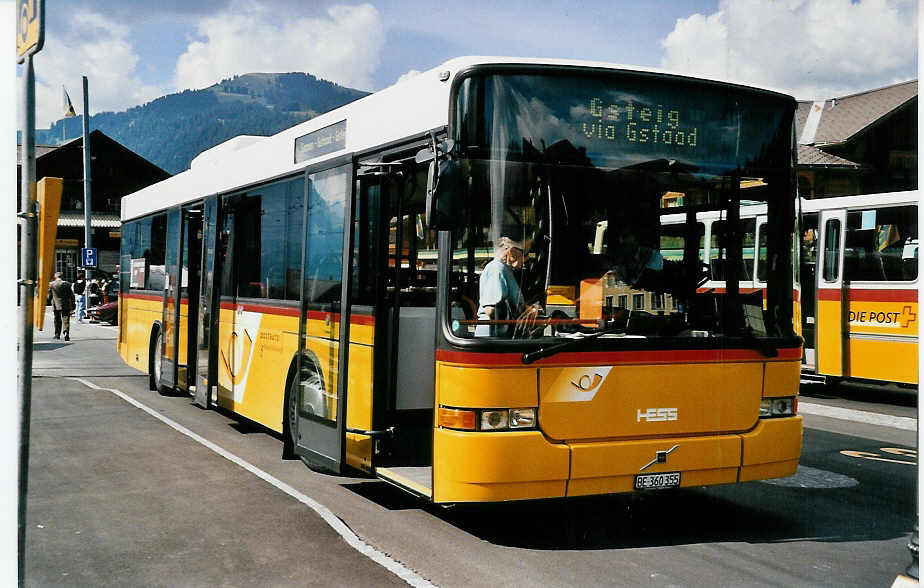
<point>172,129</point>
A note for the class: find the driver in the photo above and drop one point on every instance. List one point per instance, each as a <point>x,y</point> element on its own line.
<point>499,294</point>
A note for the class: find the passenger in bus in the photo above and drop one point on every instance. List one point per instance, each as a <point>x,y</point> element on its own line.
<point>499,295</point>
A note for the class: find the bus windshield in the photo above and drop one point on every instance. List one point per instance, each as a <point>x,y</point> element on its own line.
<point>589,201</point>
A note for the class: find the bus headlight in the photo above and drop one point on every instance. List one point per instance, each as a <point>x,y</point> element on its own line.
<point>778,407</point>
<point>487,419</point>
<point>522,418</point>
<point>514,418</point>
<point>492,420</point>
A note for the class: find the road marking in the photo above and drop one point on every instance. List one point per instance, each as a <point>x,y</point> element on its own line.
<point>877,457</point>
<point>329,517</point>
<point>849,414</point>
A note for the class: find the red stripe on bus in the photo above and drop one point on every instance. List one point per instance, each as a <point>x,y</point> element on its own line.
<point>620,357</point>
<point>261,308</point>
<point>356,319</point>
<point>159,298</point>
<point>723,290</point>
<point>795,293</point>
<point>857,295</point>
<point>867,295</point>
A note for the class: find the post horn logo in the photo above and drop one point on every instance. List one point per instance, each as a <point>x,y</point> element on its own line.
<point>588,382</point>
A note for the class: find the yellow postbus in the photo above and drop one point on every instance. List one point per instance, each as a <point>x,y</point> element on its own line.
<point>338,283</point>
<point>859,267</point>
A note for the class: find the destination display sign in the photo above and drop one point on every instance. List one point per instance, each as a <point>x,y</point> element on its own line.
<point>627,122</point>
<point>621,121</point>
<point>321,142</point>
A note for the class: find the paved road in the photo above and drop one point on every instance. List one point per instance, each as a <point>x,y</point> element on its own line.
<point>119,497</point>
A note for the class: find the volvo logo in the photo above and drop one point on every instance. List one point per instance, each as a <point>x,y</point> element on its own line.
<point>660,457</point>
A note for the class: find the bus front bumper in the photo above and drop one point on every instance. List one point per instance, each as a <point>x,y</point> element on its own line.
<point>489,467</point>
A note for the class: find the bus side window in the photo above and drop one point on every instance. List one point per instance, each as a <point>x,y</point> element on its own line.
<point>832,249</point>
<point>880,244</point>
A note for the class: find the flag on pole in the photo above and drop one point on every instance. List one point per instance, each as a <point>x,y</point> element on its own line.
<point>68,107</point>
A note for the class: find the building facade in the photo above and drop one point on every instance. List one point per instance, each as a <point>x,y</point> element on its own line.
<point>115,171</point>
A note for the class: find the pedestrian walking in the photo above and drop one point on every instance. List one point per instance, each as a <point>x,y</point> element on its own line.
<point>61,297</point>
<point>80,297</point>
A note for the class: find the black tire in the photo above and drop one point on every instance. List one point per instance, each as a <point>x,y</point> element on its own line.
<point>156,365</point>
<point>155,344</point>
<point>289,415</point>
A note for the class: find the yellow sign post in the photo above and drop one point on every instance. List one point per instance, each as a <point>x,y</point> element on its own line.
<point>30,35</point>
<point>30,27</point>
<point>49,200</point>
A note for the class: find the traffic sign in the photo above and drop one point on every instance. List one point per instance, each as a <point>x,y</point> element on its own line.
<point>88,257</point>
<point>30,27</point>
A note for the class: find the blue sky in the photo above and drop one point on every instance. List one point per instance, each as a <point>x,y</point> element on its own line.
<point>133,51</point>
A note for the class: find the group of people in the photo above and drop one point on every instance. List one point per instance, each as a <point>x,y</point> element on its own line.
<point>89,294</point>
<point>66,298</point>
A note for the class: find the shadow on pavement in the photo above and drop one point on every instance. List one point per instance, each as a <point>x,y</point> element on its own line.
<point>756,512</point>
<point>893,394</point>
<point>49,345</point>
<point>386,495</point>
<point>681,517</point>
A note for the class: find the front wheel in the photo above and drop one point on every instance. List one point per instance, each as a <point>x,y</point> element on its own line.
<point>157,366</point>
<point>290,420</point>
<point>154,355</point>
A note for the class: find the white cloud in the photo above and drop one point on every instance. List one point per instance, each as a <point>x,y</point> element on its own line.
<point>343,46</point>
<point>98,48</point>
<point>811,48</point>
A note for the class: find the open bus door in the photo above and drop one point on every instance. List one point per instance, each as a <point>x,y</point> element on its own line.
<point>181,287</point>
<point>207,320</point>
<point>166,362</point>
<point>318,399</point>
<point>396,278</point>
<point>831,303</point>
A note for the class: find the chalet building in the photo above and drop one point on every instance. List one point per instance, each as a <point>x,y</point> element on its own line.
<point>865,143</point>
<point>115,171</point>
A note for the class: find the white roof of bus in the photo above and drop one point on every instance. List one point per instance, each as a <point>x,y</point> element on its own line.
<point>412,107</point>
<point>860,201</point>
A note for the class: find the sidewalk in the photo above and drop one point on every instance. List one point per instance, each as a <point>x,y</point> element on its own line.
<point>88,353</point>
<point>118,498</point>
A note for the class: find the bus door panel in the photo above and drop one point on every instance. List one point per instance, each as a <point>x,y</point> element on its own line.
<point>207,320</point>
<point>831,307</point>
<point>324,321</point>
<point>808,280</point>
<point>225,281</point>
<point>169,318</point>
<point>187,325</point>
<point>365,310</point>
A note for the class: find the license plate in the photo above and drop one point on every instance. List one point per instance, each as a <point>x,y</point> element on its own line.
<point>657,481</point>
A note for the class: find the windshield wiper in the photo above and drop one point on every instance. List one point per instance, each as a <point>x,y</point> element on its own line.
<point>531,356</point>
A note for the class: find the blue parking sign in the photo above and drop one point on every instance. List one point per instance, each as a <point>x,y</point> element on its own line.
<point>88,257</point>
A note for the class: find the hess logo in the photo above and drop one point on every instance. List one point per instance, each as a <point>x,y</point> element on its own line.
<point>656,415</point>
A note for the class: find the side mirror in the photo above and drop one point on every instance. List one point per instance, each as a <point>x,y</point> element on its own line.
<point>443,181</point>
